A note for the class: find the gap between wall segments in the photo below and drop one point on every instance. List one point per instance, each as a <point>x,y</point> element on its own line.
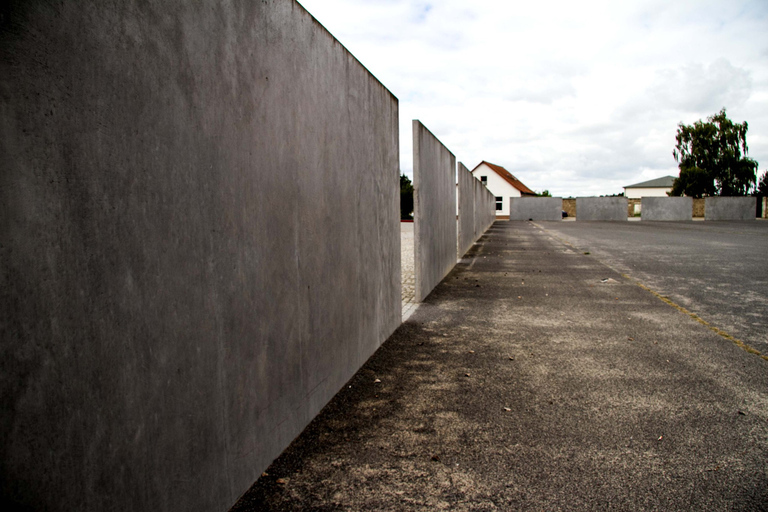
<point>746,348</point>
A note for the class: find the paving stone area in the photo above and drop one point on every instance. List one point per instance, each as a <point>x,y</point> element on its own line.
<point>408,276</point>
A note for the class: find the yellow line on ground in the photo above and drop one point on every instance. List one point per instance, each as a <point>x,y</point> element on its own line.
<point>665,299</point>
<point>696,317</point>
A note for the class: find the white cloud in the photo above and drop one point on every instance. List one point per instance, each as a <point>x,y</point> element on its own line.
<point>699,88</point>
<point>575,97</point>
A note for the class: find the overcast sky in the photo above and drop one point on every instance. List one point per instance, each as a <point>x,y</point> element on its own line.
<point>581,98</point>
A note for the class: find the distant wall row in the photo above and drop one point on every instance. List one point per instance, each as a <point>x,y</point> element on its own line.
<point>189,265</point>
<point>484,209</point>
<point>699,207</point>
<point>477,207</point>
<point>617,208</point>
<point>438,235</point>
<point>535,208</point>
<point>466,189</point>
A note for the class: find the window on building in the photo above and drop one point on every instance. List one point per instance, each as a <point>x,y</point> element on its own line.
<point>484,180</point>
<point>498,203</point>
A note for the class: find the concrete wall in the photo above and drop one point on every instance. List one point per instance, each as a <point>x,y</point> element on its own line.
<point>199,246</point>
<point>485,209</point>
<point>535,208</point>
<point>667,208</point>
<point>729,208</point>
<point>434,194</point>
<point>765,207</point>
<point>466,202</point>
<point>601,208</point>
<point>477,210</point>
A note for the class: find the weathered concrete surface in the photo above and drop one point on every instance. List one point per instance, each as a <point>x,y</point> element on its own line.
<point>535,208</point>
<point>765,207</point>
<point>601,208</point>
<point>714,270</point>
<point>615,400</point>
<point>434,198</point>
<point>485,208</point>
<point>729,208</point>
<point>199,244</point>
<point>667,208</point>
<point>466,209</point>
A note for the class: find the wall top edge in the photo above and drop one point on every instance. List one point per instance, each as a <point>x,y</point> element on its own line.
<point>417,124</point>
<point>336,40</point>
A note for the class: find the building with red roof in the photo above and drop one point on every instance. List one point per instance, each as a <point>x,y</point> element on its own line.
<point>502,185</point>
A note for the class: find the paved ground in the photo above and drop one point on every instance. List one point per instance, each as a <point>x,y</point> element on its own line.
<point>535,377</point>
<point>408,276</point>
<point>717,270</point>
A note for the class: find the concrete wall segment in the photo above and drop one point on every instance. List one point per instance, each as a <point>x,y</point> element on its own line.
<point>479,201</point>
<point>535,208</point>
<point>730,208</point>
<point>180,295</point>
<point>485,208</point>
<point>466,202</point>
<point>489,211</point>
<point>601,208</point>
<point>667,208</point>
<point>434,194</point>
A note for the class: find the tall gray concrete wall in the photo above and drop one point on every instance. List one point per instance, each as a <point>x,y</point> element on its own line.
<point>199,244</point>
<point>485,208</point>
<point>601,208</point>
<point>466,200</point>
<point>535,208</point>
<point>434,197</point>
<point>729,208</point>
<point>667,208</point>
<point>489,209</point>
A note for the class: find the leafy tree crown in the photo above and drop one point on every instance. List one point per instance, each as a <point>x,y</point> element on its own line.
<point>712,157</point>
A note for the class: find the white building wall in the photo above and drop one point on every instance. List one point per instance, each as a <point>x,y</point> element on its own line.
<point>637,193</point>
<point>498,187</point>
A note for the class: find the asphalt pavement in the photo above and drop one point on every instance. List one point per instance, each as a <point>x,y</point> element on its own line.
<point>538,377</point>
<point>716,270</point>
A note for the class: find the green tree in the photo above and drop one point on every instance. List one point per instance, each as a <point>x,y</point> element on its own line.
<point>712,157</point>
<point>406,198</point>
<point>762,185</point>
<point>545,193</point>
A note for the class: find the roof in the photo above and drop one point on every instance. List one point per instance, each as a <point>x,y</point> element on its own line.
<point>508,177</point>
<point>663,182</point>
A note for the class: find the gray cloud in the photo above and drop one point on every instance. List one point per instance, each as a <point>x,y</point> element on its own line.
<point>700,88</point>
